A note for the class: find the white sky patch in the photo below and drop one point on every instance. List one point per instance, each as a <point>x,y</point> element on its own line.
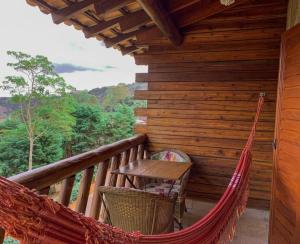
<point>33,32</point>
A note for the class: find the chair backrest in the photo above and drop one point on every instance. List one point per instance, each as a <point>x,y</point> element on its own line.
<point>178,156</point>
<point>171,155</point>
<point>135,210</point>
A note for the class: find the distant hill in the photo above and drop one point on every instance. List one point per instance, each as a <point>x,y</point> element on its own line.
<point>102,92</point>
<point>6,107</point>
<point>119,92</point>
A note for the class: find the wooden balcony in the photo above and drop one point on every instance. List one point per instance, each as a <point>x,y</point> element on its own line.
<point>95,167</point>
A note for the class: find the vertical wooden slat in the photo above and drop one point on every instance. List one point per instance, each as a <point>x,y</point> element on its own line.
<point>84,190</point>
<point>133,153</point>
<point>133,156</point>
<point>114,165</point>
<point>124,162</point>
<point>141,150</point>
<point>111,180</point>
<point>66,190</point>
<point>2,235</point>
<point>100,181</point>
<point>44,191</point>
<point>140,155</point>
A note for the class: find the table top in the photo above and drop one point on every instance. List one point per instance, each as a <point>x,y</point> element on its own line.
<point>168,170</point>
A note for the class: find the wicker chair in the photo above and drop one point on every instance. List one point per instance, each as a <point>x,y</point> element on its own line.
<point>179,187</point>
<point>136,210</point>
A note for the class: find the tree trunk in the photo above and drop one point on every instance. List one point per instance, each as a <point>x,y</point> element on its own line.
<point>31,141</point>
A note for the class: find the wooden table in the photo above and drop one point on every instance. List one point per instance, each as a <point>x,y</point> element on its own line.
<point>145,168</point>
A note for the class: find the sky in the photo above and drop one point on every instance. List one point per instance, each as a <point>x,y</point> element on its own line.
<point>84,63</point>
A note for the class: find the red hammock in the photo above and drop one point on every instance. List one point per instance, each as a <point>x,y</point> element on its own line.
<point>31,218</point>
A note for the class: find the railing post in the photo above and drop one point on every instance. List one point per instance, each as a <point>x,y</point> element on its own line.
<point>114,165</point>
<point>65,170</point>
<point>66,190</point>
<point>44,191</point>
<point>124,162</point>
<point>100,181</point>
<point>2,235</point>
<point>141,151</point>
<point>132,157</point>
<point>84,190</point>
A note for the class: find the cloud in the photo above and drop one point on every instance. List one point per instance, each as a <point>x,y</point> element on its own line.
<point>71,68</point>
<point>109,67</point>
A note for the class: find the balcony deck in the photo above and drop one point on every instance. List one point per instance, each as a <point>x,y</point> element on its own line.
<point>252,227</point>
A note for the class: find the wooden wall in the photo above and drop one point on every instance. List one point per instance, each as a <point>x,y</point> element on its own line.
<point>202,96</point>
<point>285,204</point>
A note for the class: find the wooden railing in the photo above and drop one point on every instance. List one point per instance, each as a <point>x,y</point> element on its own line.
<point>98,162</point>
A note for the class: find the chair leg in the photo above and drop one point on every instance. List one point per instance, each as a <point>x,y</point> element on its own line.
<point>178,223</point>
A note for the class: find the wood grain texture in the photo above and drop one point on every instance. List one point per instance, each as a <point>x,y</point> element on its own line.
<point>161,17</point>
<point>84,190</point>
<point>99,181</point>
<point>285,212</point>
<point>154,169</point>
<point>66,190</point>
<point>202,96</point>
<point>53,173</point>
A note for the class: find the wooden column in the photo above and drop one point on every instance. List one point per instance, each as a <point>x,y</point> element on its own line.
<point>285,204</point>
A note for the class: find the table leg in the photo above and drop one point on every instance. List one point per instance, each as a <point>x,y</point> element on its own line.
<point>130,181</point>
<point>172,185</point>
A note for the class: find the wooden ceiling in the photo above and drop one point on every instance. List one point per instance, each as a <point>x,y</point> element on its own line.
<point>119,23</point>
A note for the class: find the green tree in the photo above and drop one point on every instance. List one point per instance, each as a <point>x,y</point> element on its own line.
<point>120,123</point>
<point>83,97</point>
<point>35,83</point>
<point>114,96</point>
<point>89,129</point>
<point>14,147</point>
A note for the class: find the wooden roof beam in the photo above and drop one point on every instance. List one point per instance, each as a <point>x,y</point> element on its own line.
<point>68,12</point>
<point>128,23</point>
<point>162,19</point>
<point>42,3</point>
<point>129,50</point>
<point>101,26</point>
<point>103,6</point>
<point>192,13</point>
<point>134,21</point>
<point>202,10</point>
<point>123,37</point>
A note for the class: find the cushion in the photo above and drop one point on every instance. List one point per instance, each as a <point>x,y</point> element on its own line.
<point>168,156</point>
<point>162,188</point>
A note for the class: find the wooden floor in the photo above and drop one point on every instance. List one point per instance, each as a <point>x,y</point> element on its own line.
<point>252,227</point>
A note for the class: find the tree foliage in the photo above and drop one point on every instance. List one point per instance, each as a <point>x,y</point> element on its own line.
<point>35,84</point>
<point>58,122</point>
<point>14,148</point>
<point>89,130</point>
<point>114,96</point>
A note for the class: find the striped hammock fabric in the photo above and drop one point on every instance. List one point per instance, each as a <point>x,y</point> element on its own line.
<point>32,219</point>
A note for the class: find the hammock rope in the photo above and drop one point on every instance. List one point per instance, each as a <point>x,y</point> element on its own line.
<point>32,218</point>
